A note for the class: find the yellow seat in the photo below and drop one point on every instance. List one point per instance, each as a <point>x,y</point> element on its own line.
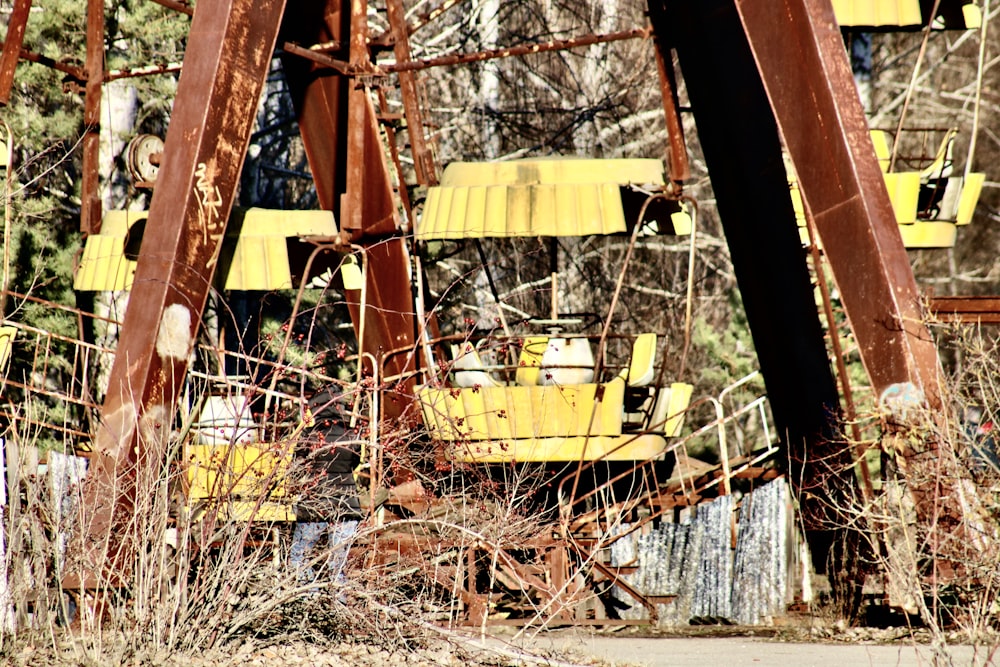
<point>7,334</point>
<point>468,369</point>
<point>880,139</point>
<point>671,403</point>
<point>530,361</point>
<point>641,366</point>
<point>942,165</point>
<point>567,361</point>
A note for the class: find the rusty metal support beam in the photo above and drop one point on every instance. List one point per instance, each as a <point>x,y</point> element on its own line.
<point>369,214</point>
<point>340,133</point>
<point>135,72</point>
<point>422,20</point>
<point>182,7</point>
<point>320,97</point>
<point>90,197</point>
<point>228,57</point>
<point>843,189</point>
<point>425,18</point>
<point>423,161</point>
<point>341,66</point>
<point>521,50</point>
<point>966,309</point>
<point>78,74</point>
<point>816,101</point>
<point>677,155</point>
<point>14,40</point>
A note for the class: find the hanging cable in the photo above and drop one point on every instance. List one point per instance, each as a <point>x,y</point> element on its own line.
<point>913,84</point>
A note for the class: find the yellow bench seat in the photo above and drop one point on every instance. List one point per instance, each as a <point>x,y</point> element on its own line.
<point>537,423</point>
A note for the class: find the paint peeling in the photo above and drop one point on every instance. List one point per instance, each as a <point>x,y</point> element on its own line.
<point>116,429</point>
<point>173,339</point>
<point>155,427</point>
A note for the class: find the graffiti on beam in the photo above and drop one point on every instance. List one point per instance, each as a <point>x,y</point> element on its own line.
<point>209,216</point>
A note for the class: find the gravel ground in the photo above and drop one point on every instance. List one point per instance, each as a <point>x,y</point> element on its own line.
<point>821,646</point>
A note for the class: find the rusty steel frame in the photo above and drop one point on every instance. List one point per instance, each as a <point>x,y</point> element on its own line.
<point>966,309</point>
<point>843,187</point>
<point>90,197</point>
<point>13,41</point>
<point>423,161</point>
<point>678,166</point>
<point>136,72</point>
<point>340,132</point>
<point>520,50</point>
<point>229,55</point>
<point>182,7</point>
<point>206,144</point>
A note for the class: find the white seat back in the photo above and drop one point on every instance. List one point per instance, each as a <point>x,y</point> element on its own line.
<point>224,420</point>
<point>567,361</point>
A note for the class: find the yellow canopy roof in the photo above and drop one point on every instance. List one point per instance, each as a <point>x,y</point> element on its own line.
<point>537,197</point>
<point>899,13</point>
<point>258,259</point>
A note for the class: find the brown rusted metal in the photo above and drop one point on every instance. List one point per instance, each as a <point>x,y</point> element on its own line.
<point>228,55</point>
<point>427,17</point>
<point>679,169</point>
<point>340,132</point>
<point>837,352</point>
<point>817,101</point>
<point>843,187</point>
<point>135,72</point>
<point>320,98</point>
<point>182,7</point>
<point>966,309</point>
<point>16,25</point>
<point>333,46</point>
<point>423,161</point>
<point>76,74</point>
<point>385,38</point>
<point>521,50</point>
<point>370,212</point>
<point>319,58</point>
<point>90,198</point>
<point>390,132</point>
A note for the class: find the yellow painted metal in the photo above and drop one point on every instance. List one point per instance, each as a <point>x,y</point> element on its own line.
<point>928,234</point>
<point>103,266</point>
<point>538,197</point>
<point>7,334</point>
<point>518,412</point>
<point>670,406</point>
<point>254,256</point>
<point>260,258</point>
<point>878,13</point>
<point>956,200</point>
<point>973,16</point>
<point>641,367</point>
<point>542,450</point>
<point>971,189</point>
<point>246,481</point>
<point>554,171</point>
<point>530,360</point>
<point>880,139</point>
<point>904,192</point>
<point>546,423</point>
<point>682,222</point>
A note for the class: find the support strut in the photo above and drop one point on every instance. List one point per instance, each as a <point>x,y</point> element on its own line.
<point>228,56</point>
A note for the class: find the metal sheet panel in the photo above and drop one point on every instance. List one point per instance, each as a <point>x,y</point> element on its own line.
<point>563,197</point>
<point>256,258</point>
<point>878,13</point>
<point>103,266</point>
<point>554,171</point>
<point>522,210</point>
